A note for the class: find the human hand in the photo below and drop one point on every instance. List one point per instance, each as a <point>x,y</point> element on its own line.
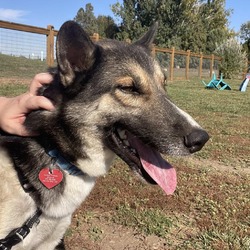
<point>13,111</point>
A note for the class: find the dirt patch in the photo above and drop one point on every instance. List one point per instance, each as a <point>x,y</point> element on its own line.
<point>217,166</point>
<point>203,210</point>
<point>15,80</point>
<point>100,234</point>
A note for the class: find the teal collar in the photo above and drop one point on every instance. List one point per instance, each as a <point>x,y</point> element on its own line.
<point>64,164</point>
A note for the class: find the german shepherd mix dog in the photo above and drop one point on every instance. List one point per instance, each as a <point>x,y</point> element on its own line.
<point>109,100</point>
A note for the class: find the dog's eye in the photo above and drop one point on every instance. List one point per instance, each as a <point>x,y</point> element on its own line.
<point>130,89</point>
<point>127,85</point>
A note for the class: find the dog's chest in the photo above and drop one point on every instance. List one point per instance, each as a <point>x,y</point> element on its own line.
<point>75,192</point>
<point>18,206</point>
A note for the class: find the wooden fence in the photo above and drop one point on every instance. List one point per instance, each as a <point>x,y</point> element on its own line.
<point>51,33</point>
<point>188,54</point>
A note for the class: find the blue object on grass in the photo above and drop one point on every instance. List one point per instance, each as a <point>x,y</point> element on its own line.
<point>215,83</point>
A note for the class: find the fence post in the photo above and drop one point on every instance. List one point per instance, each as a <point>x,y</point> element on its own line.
<point>211,65</point>
<point>50,46</point>
<point>187,64</point>
<point>200,65</point>
<point>172,64</point>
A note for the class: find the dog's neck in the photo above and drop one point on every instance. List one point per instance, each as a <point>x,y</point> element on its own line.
<point>62,163</point>
<point>30,158</point>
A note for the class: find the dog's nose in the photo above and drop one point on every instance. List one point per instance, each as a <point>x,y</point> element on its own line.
<point>196,140</point>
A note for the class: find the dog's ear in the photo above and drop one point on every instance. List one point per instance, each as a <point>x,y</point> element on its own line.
<point>148,38</point>
<point>74,50</point>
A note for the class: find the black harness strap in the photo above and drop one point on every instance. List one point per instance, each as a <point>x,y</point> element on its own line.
<point>17,235</point>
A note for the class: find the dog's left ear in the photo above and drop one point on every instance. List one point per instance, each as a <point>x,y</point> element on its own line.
<point>74,50</point>
<point>148,38</point>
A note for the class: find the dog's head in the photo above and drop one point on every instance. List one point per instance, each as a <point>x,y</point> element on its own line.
<point>113,101</point>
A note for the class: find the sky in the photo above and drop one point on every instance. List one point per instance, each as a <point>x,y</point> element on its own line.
<point>56,12</point>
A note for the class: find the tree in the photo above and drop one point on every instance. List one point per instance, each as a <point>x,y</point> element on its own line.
<point>233,58</point>
<point>86,19</point>
<point>104,25</point>
<point>197,25</point>
<point>245,36</point>
<point>130,28</point>
<point>245,31</point>
<point>215,22</point>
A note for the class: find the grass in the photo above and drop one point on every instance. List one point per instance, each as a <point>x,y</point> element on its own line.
<point>12,89</point>
<point>225,114</point>
<point>148,221</point>
<point>210,208</point>
<point>18,69</point>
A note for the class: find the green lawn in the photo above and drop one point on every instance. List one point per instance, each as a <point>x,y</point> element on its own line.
<point>225,114</point>
<point>20,67</point>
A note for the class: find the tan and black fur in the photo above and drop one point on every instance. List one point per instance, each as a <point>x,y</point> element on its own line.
<point>99,90</point>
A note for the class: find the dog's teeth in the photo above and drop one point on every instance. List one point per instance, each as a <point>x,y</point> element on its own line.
<point>126,142</point>
<point>122,133</point>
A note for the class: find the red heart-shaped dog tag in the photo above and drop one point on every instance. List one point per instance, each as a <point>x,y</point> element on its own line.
<point>50,178</point>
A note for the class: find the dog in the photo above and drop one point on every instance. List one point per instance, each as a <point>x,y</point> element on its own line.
<point>110,100</point>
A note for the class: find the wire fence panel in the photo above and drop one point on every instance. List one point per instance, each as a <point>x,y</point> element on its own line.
<point>25,50</point>
<point>38,45</point>
<point>19,43</point>
<point>22,55</point>
<point>164,60</point>
<point>179,66</point>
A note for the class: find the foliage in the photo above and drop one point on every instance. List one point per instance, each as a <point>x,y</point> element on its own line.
<point>245,31</point>
<point>197,25</point>
<point>86,19</point>
<point>104,25</point>
<point>214,18</point>
<point>245,36</point>
<point>233,58</point>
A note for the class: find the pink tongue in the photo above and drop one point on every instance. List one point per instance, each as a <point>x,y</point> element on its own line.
<point>159,169</point>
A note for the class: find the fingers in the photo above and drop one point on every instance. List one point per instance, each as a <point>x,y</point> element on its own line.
<point>25,104</point>
<point>39,80</point>
<point>22,131</point>
<point>13,111</point>
<point>15,126</point>
<point>39,102</point>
